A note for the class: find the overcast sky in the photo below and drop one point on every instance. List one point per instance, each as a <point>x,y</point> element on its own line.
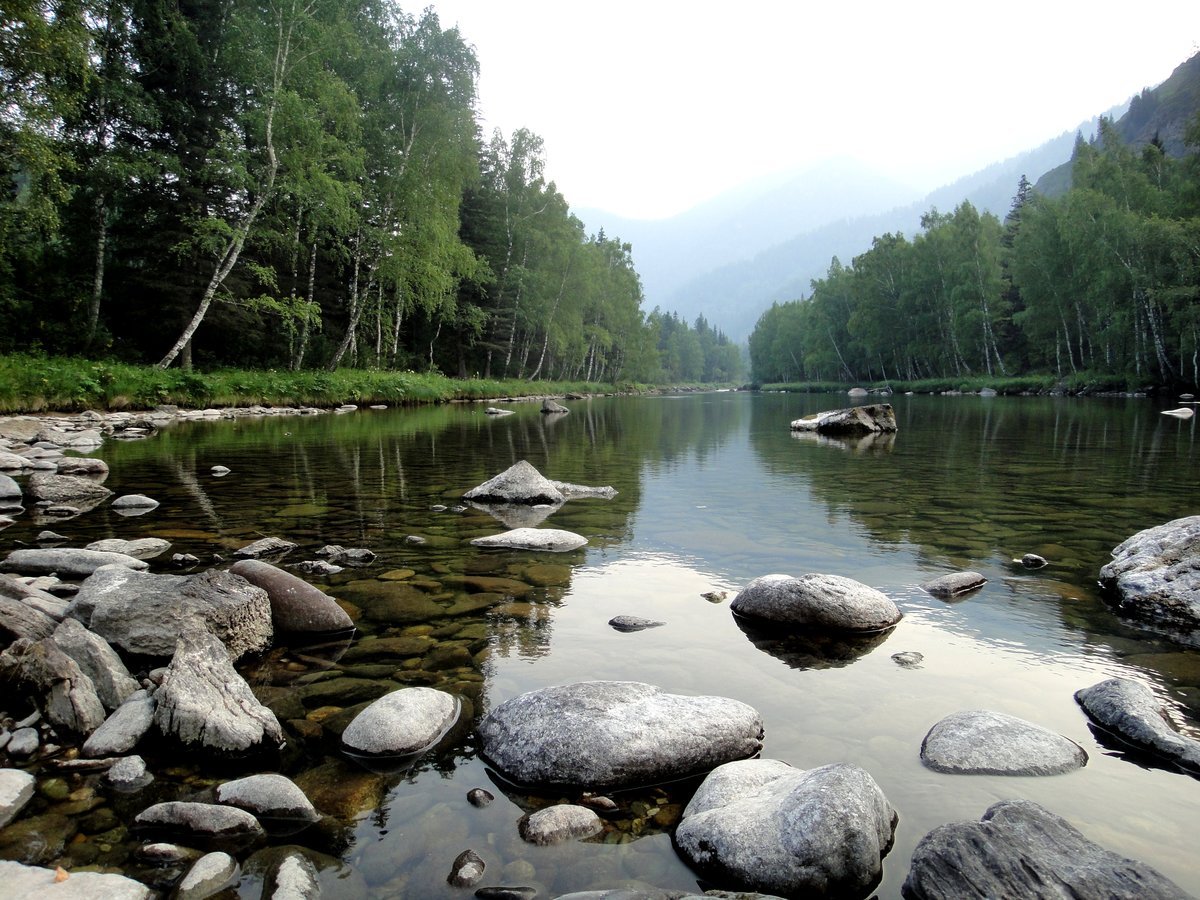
<point>648,107</point>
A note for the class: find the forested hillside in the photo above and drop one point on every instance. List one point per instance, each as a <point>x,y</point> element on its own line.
<point>300,183</point>
<point>1103,282</point>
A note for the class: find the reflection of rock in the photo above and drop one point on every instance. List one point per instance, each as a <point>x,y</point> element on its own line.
<point>878,417</point>
<point>1130,711</point>
<point>816,601</point>
<point>1155,576</point>
<point>811,649</point>
<point>1020,849</point>
<point>875,442</point>
<point>982,742</point>
<point>512,515</point>
<point>775,828</point>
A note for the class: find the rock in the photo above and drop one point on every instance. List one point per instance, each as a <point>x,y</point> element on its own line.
<point>268,546</point>
<point>65,695</point>
<point>66,562</point>
<point>128,774</point>
<point>1019,849</point>
<point>353,556</point>
<point>19,619</point>
<point>610,734</point>
<point>33,881</point>
<point>207,706</point>
<point>403,722</point>
<point>632,623</point>
<point>98,661</point>
<point>1155,576</point>
<point>583,491</point>
<point>553,407</point>
<point>981,742</point>
<point>908,659</point>
<point>547,539</point>
<point>23,743</point>
<point>1182,412</point>
<point>317,567</point>
<point>268,796</point>
<point>506,892</point>
<point>144,614</point>
<point>1131,712</point>
<point>122,731</point>
<point>204,821</point>
<point>220,471</point>
<point>10,491</point>
<point>184,560</point>
<point>816,601</point>
<point>777,829</point>
<point>496,411</point>
<point>556,824</point>
<point>294,878</point>
<point>55,488</point>
<point>467,869</point>
<point>209,874</point>
<point>143,548</point>
<point>1032,561</point>
<point>82,465</point>
<point>12,462</point>
<point>296,605</point>
<point>16,789</point>
<point>519,483</point>
<point>874,419</point>
<point>953,584</point>
<point>480,798</point>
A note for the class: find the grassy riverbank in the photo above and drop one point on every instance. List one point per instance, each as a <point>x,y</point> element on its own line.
<point>30,384</point>
<point>1083,383</point>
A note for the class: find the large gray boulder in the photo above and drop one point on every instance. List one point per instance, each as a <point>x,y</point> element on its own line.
<point>122,730</point>
<point>33,597</point>
<point>98,661</point>
<point>144,614</point>
<point>774,828</point>
<point>83,465</point>
<point>519,483</point>
<point>876,418</point>
<point>296,605</point>
<point>20,880</point>
<point>1020,849</point>
<point>21,620</point>
<point>982,742</point>
<point>16,789</point>
<point>1155,577</point>
<point>207,706</point>
<point>1131,712</point>
<point>203,821</point>
<point>403,722</point>
<point>54,488</point>
<point>268,796</point>
<point>610,734</point>
<point>64,694</point>
<point>816,601</point>
<point>551,540</point>
<point>67,562</point>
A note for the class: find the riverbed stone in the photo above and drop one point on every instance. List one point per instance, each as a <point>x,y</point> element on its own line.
<point>466,870</point>
<point>207,706</point>
<point>817,601</point>
<point>608,734</point>
<point>82,465</point>
<point>203,821</point>
<point>268,546</point>
<point>1155,576</point>
<point>293,877</point>
<point>519,483</point>
<point>632,623</point>
<point>129,773</point>
<point>19,619</point>
<point>1130,711</point>
<point>983,742</point>
<point>97,660</point>
<point>953,584</point>
<point>552,540</point>
<point>54,488</point>
<point>122,730</point>
<point>874,419</point>
<point>10,491</point>
<point>64,694</point>
<point>23,743</point>
<point>403,722</point>
<point>270,796</point>
<point>774,828</point>
<point>559,823</point>
<point>66,562</point>
<point>347,556</point>
<point>16,789</point>
<point>142,548</point>
<point>34,881</point>
<point>1020,849</point>
<point>296,605</point>
<point>144,614</point>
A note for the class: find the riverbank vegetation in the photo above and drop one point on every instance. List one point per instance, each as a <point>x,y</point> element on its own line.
<point>1099,286</point>
<point>297,185</point>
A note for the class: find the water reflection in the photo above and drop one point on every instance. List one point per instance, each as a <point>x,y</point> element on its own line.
<point>810,649</point>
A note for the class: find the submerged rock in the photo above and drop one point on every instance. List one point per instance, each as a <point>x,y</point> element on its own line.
<point>607,734</point>
<point>876,418</point>
<point>551,540</point>
<point>1019,849</point>
<point>559,823</point>
<point>632,623</point>
<point>953,584</point>
<point>817,601</point>
<point>467,869</point>
<point>1155,576</point>
<point>775,828</point>
<point>1131,712</point>
<point>982,742</point>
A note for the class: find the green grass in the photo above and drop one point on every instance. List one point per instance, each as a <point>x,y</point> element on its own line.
<point>31,383</point>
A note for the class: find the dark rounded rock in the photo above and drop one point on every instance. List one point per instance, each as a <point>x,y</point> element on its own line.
<point>296,605</point>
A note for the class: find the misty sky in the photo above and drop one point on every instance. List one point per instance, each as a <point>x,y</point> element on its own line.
<point>650,107</point>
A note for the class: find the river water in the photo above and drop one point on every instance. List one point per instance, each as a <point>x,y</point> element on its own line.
<point>714,491</point>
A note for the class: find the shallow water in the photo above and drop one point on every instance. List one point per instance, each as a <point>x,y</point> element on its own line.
<point>714,491</point>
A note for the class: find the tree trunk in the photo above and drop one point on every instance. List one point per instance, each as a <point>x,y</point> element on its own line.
<point>93,319</point>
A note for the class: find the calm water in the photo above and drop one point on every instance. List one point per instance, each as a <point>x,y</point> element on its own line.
<point>714,491</point>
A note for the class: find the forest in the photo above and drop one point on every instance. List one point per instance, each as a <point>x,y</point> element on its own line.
<point>297,184</point>
<point>1100,285</point>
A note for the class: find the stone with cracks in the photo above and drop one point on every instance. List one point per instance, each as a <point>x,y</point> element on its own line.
<point>816,601</point>
<point>206,705</point>
<point>98,661</point>
<point>1132,713</point>
<point>144,614</point>
<point>269,795</point>
<point>122,731</point>
<point>1155,577</point>
<point>16,789</point>
<point>611,734</point>
<point>1020,849</point>
<point>953,584</point>
<point>296,605</point>
<point>519,483</point>
<point>403,722</point>
<point>559,823</point>
<point>982,742</point>
<point>67,562</point>
<point>55,488</point>
<point>64,694</point>
<point>873,419</point>
<point>20,880</point>
<point>774,828</point>
<point>550,540</point>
